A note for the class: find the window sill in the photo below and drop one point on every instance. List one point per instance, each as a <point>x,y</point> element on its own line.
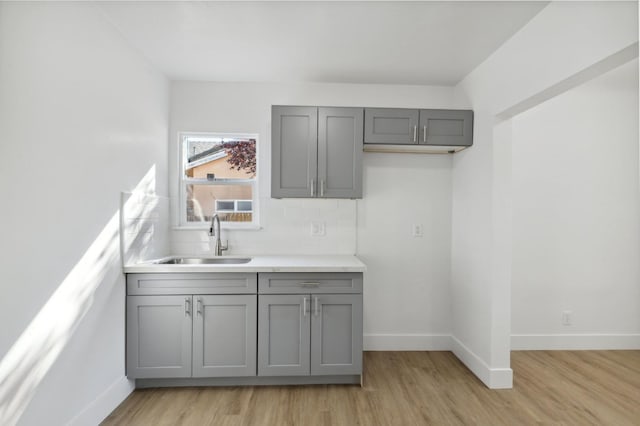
<point>235,227</point>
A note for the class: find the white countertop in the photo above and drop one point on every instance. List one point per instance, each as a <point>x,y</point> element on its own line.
<point>279,263</point>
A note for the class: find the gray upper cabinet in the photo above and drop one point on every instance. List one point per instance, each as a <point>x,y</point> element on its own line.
<point>340,152</point>
<point>391,126</point>
<point>159,336</point>
<point>437,127</point>
<point>224,336</point>
<point>294,151</point>
<point>316,152</point>
<point>336,334</point>
<point>446,127</point>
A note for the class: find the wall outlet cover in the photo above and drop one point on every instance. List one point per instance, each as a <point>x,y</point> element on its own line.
<point>416,230</point>
<point>318,229</point>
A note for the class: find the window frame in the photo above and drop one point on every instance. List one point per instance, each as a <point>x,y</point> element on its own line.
<point>183,181</point>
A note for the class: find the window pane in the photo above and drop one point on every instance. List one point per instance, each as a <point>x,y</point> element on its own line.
<point>203,201</point>
<point>221,158</point>
<point>245,206</point>
<point>225,205</point>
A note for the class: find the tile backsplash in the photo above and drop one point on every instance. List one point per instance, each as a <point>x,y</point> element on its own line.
<point>144,227</point>
<point>285,228</point>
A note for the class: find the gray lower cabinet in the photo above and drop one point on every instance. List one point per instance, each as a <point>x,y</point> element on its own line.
<point>438,127</point>
<point>283,335</point>
<point>224,336</point>
<point>191,336</point>
<point>316,152</point>
<point>159,336</point>
<point>336,334</point>
<point>286,328</point>
<point>310,334</point>
<point>199,334</point>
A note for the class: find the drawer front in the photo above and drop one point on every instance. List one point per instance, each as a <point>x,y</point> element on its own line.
<point>305,283</point>
<point>192,283</point>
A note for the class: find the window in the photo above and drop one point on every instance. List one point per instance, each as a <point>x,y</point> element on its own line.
<point>218,174</point>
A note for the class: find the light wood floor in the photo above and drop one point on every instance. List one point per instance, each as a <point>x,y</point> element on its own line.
<point>416,388</point>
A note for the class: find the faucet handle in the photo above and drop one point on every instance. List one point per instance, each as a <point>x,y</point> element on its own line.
<point>224,247</point>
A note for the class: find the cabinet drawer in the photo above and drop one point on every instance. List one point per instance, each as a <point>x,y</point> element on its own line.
<point>192,283</point>
<point>303,283</point>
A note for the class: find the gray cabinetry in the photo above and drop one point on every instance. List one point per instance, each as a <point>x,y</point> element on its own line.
<point>446,127</point>
<point>283,335</point>
<point>191,335</point>
<point>336,334</point>
<point>224,336</point>
<point>310,332</point>
<point>437,127</point>
<point>316,152</point>
<point>159,336</point>
<point>391,126</point>
<point>294,151</point>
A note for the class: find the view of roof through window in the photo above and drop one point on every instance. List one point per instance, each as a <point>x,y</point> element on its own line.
<point>219,175</point>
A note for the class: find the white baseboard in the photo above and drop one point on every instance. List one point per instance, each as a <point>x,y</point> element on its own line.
<point>534,342</point>
<point>104,404</point>
<point>494,378</point>
<point>407,342</point>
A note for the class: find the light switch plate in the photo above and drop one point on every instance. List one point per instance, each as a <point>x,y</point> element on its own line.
<point>318,229</point>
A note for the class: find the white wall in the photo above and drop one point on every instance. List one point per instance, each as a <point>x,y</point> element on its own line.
<point>83,117</point>
<point>576,217</point>
<point>407,285</point>
<point>540,61</point>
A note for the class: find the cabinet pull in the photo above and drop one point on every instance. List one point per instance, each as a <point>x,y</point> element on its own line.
<point>313,187</point>
<point>322,187</point>
<point>315,310</point>
<point>199,306</point>
<point>304,306</point>
<point>187,306</point>
<point>424,133</point>
<point>310,284</point>
<point>415,133</point>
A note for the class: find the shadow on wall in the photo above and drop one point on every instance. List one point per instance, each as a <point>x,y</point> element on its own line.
<point>35,351</point>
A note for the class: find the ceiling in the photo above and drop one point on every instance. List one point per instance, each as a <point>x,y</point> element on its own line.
<point>341,42</point>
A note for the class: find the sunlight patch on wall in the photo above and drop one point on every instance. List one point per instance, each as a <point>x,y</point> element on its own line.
<point>36,350</point>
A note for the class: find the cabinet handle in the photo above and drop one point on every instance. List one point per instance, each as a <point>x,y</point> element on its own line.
<point>187,306</point>
<point>315,311</point>
<point>322,187</point>
<point>424,133</point>
<point>415,133</point>
<point>199,306</point>
<point>313,187</point>
<point>304,306</point>
<point>309,284</point>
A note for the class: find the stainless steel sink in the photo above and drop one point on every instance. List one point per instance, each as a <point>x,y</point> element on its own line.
<point>205,261</point>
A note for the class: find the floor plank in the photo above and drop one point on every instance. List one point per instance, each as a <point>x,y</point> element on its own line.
<point>416,388</point>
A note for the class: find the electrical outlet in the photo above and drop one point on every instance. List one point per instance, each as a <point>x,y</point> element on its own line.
<point>566,317</point>
<point>318,229</point>
<point>416,230</point>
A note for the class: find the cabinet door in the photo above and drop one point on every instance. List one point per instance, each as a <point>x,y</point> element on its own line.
<point>224,336</point>
<point>336,334</point>
<point>283,335</point>
<point>390,126</point>
<point>340,152</point>
<point>446,127</point>
<point>294,151</point>
<point>159,336</point>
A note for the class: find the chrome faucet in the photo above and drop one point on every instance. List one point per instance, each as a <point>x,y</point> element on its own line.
<point>219,248</point>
